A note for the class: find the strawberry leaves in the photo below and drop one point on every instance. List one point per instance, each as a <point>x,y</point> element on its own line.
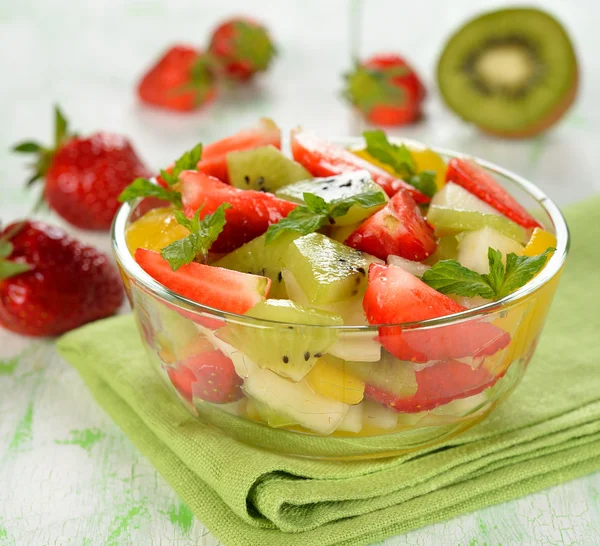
<point>61,127</point>
<point>8,268</point>
<point>450,277</point>
<point>203,233</point>
<point>400,160</point>
<point>366,88</point>
<point>28,147</point>
<point>252,44</point>
<point>44,154</point>
<point>202,80</point>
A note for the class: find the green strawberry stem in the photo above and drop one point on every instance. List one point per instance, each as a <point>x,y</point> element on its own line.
<point>202,79</point>
<point>366,88</point>
<point>252,43</point>
<point>45,154</point>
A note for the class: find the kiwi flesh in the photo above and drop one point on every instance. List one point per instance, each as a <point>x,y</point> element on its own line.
<point>258,258</point>
<point>290,351</point>
<point>512,72</point>
<point>263,169</point>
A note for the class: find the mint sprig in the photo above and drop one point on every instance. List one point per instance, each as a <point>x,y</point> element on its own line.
<point>424,182</point>
<point>317,213</point>
<point>519,270</point>
<point>203,233</point>
<point>142,187</point>
<point>450,277</point>
<point>401,160</point>
<point>187,162</point>
<point>397,157</point>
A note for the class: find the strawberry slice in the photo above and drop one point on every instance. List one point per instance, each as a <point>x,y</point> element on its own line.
<point>214,155</point>
<point>475,179</point>
<point>210,376</point>
<point>399,228</point>
<point>182,379</point>
<point>395,296</point>
<point>437,385</point>
<point>222,289</point>
<point>323,158</point>
<point>251,212</point>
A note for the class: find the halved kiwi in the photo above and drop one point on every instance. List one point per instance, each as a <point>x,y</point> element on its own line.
<point>512,72</point>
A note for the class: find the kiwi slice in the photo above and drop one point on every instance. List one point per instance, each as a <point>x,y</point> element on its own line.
<point>326,270</point>
<point>512,72</point>
<point>263,169</point>
<point>290,351</point>
<point>258,258</point>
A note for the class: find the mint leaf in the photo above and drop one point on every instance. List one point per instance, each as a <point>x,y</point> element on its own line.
<point>315,203</point>
<point>495,277</point>
<point>449,277</point>
<point>192,224</point>
<point>188,161</point>
<point>401,160</point>
<point>397,157</point>
<point>317,213</point>
<point>211,226</point>
<point>142,187</point>
<point>424,182</point>
<point>365,200</point>
<point>520,270</point>
<point>180,252</point>
<point>301,220</point>
<point>203,233</point>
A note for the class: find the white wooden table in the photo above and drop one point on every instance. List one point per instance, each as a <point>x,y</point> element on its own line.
<point>67,473</point>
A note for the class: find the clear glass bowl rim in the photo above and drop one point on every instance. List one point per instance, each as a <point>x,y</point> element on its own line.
<point>552,268</point>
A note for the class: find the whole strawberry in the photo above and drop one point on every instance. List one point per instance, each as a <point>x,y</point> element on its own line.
<point>51,283</point>
<point>240,48</point>
<point>386,90</point>
<point>180,80</point>
<point>84,175</point>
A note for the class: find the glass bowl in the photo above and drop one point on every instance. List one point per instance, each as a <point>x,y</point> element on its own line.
<point>332,411</point>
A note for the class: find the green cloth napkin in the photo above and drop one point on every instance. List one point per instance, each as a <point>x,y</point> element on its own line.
<point>547,432</point>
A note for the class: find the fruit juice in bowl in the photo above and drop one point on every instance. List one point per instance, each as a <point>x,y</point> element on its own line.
<point>363,299</point>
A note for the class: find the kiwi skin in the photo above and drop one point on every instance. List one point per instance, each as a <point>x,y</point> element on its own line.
<point>555,114</point>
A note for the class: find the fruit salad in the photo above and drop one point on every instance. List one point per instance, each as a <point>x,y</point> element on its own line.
<point>338,287</point>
